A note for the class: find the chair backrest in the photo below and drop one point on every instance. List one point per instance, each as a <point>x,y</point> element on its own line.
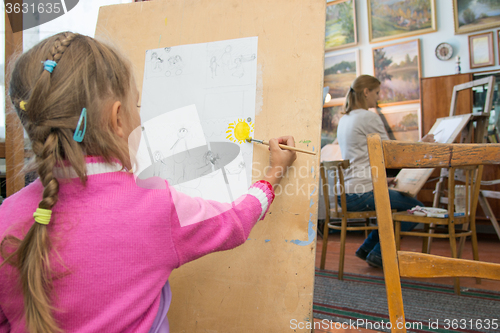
<point>394,154</point>
<point>338,168</point>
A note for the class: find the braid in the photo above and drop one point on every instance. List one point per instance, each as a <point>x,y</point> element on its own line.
<point>50,154</point>
<point>57,50</point>
<point>32,252</point>
<point>88,75</point>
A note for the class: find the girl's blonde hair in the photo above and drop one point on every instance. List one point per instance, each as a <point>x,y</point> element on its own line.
<point>88,75</point>
<point>355,98</point>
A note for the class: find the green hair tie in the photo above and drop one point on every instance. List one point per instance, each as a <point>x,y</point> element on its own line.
<point>42,216</point>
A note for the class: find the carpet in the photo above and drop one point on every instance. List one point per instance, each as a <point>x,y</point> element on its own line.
<point>360,301</point>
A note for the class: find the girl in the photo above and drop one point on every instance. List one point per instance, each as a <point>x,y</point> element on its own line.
<point>83,248</point>
<point>352,131</point>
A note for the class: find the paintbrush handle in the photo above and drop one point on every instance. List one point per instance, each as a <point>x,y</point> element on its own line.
<point>291,148</point>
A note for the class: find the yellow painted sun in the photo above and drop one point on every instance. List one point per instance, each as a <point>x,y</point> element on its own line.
<point>239,131</point>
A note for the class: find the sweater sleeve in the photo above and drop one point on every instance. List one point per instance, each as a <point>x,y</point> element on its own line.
<point>375,125</point>
<point>4,323</point>
<point>200,227</point>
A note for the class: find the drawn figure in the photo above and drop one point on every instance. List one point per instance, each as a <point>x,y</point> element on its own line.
<point>236,169</point>
<point>175,65</point>
<point>213,66</point>
<point>238,69</point>
<point>158,164</point>
<point>226,60</point>
<point>181,134</point>
<point>156,63</point>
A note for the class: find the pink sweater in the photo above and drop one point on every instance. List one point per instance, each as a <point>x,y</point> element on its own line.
<point>118,243</point>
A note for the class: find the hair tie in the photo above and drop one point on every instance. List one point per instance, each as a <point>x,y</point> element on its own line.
<point>42,216</point>
<point>22,105</point>
<point>351,90</point>
<point>49,65</point>
<point>80,133</point>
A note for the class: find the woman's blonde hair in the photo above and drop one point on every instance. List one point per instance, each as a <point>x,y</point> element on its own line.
<point>91,75</point>
<point>355,98</point>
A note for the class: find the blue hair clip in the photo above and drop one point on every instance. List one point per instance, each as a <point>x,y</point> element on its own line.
<point>49,65</point>
<point>80,133</point>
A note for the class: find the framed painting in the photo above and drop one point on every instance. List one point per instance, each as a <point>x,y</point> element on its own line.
<point>397,66</point>
<point>481,52</point>
<point>498,39</point>
<point>403,122</point>
<point>340,71</point>
<point>475,15</point>
<point>340,29</point>
<point>391,19</point>
<point>329,123</point>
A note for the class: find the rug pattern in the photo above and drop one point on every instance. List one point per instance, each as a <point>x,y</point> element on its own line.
<point>360,301</point>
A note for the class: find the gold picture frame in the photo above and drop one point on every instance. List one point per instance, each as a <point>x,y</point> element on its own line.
<point>481,50</point>
<point>397,66</point>
<point>341,69</point>
<point>340,31</point>
<point>469,22</point>
<point>394,25</point>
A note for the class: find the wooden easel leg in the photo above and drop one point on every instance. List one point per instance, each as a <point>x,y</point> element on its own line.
<point>489,213</point>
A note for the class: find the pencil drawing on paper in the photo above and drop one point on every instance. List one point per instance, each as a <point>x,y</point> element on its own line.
<point>197,106</point>
<point>163,62</point>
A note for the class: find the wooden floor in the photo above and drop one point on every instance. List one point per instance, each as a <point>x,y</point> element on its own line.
<point>489,250</point>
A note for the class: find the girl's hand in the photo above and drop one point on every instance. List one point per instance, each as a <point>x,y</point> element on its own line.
<point>428,138</point>
<point>279,159</point>
<point>392,181</point>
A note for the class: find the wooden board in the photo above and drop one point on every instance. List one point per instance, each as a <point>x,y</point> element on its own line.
<point>268,282</point>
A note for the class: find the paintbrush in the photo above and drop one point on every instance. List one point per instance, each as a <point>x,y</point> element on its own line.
<point>250,139</point>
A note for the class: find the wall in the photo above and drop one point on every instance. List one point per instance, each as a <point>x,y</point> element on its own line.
<point>431,66</point>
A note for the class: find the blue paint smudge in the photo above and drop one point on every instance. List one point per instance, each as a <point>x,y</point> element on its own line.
<point>286,240</point>
<point>311,203</point>
<point>268,240</point>
<point>314,190</point>
<point>313,148</point>
<point>311,235</point>
<point>312,169</point>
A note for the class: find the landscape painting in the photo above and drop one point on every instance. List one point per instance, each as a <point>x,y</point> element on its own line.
<point>391,19</point>
<point>340,29</point>
<point>340,72</point>
<point>397,66</point>
<point>403,123</point>
<point>475,15</point>
<point>329,124</point>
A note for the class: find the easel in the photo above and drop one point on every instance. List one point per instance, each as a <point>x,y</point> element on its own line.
<point>246,289</point>
<point>474,132</point>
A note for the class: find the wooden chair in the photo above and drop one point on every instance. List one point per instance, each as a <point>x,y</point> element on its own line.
<point>340,212</point>
<point>385,154</point>
<point>472,182</point>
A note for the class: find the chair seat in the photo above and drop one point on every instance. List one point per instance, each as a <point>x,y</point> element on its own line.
<point>407,217</point>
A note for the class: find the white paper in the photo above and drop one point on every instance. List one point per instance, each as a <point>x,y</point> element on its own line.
<point>445,129</point>
<point>193,97</point>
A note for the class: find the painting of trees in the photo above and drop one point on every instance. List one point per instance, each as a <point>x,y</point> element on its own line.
<point>474,15</point>
<point>397,67</point>
<point>390,19</point>
<point>340,29</point>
